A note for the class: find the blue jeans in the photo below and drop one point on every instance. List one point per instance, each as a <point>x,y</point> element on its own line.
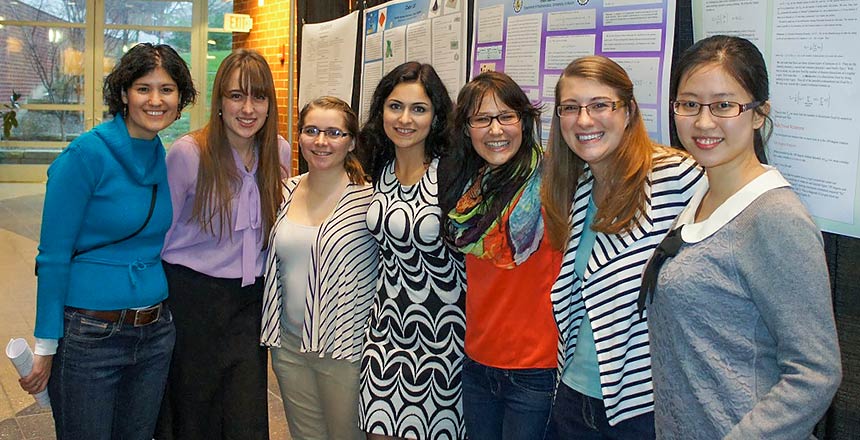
<point>107,379</point>
<point>578,416</point>
<point>506,404</point>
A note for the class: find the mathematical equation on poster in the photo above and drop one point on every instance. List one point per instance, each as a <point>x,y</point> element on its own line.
<point>806,100</point>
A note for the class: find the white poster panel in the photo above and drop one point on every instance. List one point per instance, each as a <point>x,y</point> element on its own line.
<point>328,59</point>
<point>812,57</point>
<point>427,31</point>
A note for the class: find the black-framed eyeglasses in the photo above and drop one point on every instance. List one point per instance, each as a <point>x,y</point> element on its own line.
<point>600,108</point>
<point>334,133</point>
<point>719,109</point>
<point>484,121</point>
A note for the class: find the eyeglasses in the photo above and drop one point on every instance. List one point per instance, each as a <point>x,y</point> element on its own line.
<point>334,133</point>
<point>484,121</point>
<point>720,109</point>
<point>598,109</point>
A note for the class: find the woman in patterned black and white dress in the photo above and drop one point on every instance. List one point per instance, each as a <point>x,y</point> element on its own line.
<point>410,368</point>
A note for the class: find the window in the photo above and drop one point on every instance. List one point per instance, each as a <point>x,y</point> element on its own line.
<point>56,54</point>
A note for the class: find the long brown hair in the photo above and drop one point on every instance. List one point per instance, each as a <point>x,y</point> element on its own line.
<point>351,164</point>
<point>506,178</point>
<point>217,177</point>
<point>376,149</point>
<point>631,161</point>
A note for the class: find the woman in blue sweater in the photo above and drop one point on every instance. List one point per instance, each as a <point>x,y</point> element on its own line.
<point>103,338</point>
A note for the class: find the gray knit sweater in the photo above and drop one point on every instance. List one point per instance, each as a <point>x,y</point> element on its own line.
<point>743,340</point>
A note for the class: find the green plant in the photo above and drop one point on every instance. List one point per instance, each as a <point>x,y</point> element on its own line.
<point>10,117</point>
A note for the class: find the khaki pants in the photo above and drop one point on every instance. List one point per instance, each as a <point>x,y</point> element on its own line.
<point>320,394</point>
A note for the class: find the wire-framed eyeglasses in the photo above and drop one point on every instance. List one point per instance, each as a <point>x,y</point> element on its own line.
<point>334,133</point>
<point>600,108</point>
<point>484,121</point>
<point>719,109</point>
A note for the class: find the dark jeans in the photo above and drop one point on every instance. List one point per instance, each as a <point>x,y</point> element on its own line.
<point>506,404</point>
<point>217,384</point>
<point>577,416</point>
<point>107,378</point>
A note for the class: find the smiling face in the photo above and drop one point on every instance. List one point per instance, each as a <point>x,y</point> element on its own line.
<point>323,152</point>
<point>152,102</point>
<point>593,139</point>
<point>243,115</point>
<point>407,115</point>
<point>717,143</point>
<point>498,143</point>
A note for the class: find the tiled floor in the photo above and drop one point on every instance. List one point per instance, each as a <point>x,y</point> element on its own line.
<point>20,220</point>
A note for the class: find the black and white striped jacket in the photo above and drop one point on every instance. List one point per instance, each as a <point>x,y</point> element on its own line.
<point>611,285</point>
<point>341,279</point>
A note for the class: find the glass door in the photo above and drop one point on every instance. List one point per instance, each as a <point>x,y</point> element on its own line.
<point>45,66</point>
<point>54,55</point>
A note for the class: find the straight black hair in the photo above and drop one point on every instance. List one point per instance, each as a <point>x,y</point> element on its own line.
<point>741,59</point>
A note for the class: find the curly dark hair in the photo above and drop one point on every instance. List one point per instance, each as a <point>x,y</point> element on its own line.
<point>375,149</point>
<point>139,61</point>
<point>504,178</point>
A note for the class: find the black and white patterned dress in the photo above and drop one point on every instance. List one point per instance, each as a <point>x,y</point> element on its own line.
<point>410,368</point>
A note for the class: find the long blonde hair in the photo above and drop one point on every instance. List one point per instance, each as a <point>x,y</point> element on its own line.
<point>631,161</point>
<point>217,177</point>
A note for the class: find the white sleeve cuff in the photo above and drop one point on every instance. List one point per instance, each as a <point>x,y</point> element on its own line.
<point>45,347</point>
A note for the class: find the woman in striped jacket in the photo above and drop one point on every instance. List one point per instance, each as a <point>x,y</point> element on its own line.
<point>614,195</point>
<point>321,278</point>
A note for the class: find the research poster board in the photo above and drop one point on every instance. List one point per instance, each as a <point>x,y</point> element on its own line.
<point>812,57</point>
<point>427,31</point>
<point>534,40</point>
<point>328,59</point>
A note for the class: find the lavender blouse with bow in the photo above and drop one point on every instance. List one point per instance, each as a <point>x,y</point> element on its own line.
<point>237,254</point>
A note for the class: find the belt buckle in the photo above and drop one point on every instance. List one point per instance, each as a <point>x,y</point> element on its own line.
<point>146,312</point>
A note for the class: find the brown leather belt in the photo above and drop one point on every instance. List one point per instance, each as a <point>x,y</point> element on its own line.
<point>137,318</point>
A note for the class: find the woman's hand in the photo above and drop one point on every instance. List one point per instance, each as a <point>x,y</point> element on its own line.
<point>37,380</point>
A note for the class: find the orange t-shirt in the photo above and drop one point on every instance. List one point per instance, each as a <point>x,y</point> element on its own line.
<point>509,320</point>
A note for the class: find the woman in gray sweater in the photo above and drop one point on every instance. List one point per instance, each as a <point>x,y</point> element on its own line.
<point>743,341</point>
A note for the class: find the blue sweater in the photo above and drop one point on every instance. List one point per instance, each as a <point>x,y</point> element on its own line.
<point>99,190</point>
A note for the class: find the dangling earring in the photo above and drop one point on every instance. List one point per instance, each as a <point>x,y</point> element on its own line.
<point>124,111</point>
<point>178,115</point>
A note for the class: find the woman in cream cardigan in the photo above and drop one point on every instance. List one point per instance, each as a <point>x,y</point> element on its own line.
<point>321,278</point>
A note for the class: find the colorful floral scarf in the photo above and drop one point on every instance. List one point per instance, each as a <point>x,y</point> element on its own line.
<point>506,238</point>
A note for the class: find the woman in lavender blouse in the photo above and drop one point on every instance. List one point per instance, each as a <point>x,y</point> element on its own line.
<point>225,188</point>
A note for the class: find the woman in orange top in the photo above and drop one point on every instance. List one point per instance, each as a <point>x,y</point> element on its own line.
<point>494,217</point>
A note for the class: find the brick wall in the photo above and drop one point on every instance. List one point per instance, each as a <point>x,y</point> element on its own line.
<point>271,38</point>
